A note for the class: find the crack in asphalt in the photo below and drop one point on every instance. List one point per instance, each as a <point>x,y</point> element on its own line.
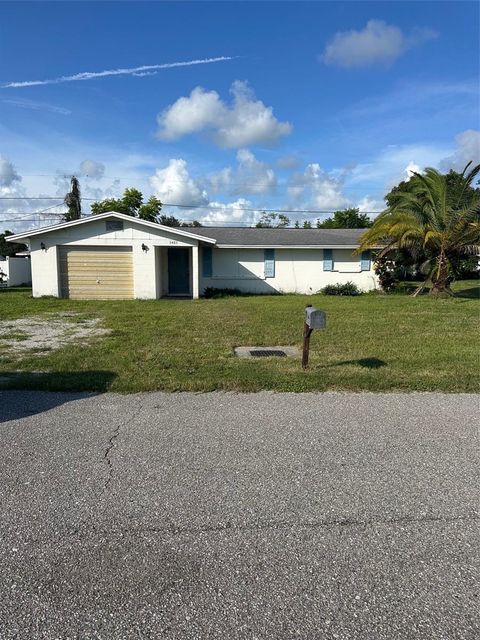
<point>278,526</point>
<point>106,456</point>
<point>341,522</point>
<point>111,445</point>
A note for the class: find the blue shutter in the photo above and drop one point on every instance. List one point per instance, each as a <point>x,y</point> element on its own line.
<point>207,262</point>
<point>365,261</point>
<point>269,263</point>
<point>328,260</point>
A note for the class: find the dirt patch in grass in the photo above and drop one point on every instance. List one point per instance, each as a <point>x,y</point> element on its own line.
<point>42,334</point>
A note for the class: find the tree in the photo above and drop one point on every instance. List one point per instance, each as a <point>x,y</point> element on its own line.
<point>150,210</point>
<point>413,265</point>
<point>453,178</point>
<point>73,201</point>
<point>307,224</point>
<point>171,221</point>
<point>436,214</point>
<point>273,220</point>
<point>346,219</point>
<point>131,204</point>
<point>10,248</point>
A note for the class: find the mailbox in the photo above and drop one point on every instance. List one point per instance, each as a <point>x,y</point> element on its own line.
<point>315,319</point>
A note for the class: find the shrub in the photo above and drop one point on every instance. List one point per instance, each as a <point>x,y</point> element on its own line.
<point>384,268</point>
<point>213,292</point>
<point>347,289</point>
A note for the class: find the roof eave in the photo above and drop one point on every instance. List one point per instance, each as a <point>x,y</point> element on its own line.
<point>287,246</point>
<point>101,216</point>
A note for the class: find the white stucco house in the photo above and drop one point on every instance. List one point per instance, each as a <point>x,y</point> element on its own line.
<point>115,256</point>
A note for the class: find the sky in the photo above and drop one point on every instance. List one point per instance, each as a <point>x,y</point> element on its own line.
<point>225,109</point>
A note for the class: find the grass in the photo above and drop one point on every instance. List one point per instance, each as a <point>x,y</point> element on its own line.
<point>17,336</point>
<point>372,343</point>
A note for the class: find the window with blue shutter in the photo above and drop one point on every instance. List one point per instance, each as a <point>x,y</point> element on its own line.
<point>207,262</point>
<point>328,260</point>
<point>365,261</point>
<point>269,263</point>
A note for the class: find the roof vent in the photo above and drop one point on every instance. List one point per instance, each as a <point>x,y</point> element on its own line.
<point>114,225</point>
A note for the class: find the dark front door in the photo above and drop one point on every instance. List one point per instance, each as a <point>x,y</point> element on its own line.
<point>178,271</point>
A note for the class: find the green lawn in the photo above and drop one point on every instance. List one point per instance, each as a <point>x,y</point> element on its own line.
<point>372,343</point>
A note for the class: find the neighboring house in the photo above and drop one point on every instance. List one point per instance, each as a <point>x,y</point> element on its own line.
<point>114,256</point>
<point>15,270</point>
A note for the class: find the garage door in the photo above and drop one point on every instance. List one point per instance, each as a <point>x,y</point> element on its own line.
<point>102,273</point>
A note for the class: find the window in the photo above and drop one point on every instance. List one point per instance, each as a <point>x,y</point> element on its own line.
<point>207,262</point>
<point>328,260</point>
<point>269,263</point>
<point>365,261</point>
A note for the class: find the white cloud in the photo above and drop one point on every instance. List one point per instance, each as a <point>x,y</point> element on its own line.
<point>377,43</point>
<point>222,181</point>
<point>201,110</point>
<point>175,185</point>
<point>390,166</point>
<point>247,121</point>
<point>234,212</point>
<point>250,176</point>
<point>468,149</point>
<point>410,169</point>
<point>368,204</point>
<point>92,169</point>
<point>132,71</point>
<point>8,173</point>
<point>317,189</point>
<point>288,162</point>
<point>37,106</point>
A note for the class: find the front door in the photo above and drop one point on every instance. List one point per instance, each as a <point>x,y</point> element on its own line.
<point>179,271</point>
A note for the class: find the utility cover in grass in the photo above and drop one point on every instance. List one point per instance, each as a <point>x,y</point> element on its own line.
<point>266,352</point>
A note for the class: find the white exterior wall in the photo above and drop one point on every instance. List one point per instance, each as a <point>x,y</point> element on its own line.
<point>17,270</point>
<point>296,271</point>
<point>45,280</point>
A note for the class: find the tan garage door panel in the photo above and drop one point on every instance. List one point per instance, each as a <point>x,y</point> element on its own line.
<point>102,273</point>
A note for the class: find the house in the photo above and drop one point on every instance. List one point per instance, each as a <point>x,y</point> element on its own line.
<point>115,256</point>
<point>15,270</point>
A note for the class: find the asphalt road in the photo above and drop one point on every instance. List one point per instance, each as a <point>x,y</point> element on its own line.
<point>255,516</point>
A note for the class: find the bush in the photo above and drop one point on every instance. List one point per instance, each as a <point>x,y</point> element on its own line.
<point>347,289</point>
<point>384,268</point>
<point>212,292</point>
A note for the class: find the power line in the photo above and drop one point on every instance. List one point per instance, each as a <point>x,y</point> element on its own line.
<point>211,207</point>
<point>262,209</point>
<point>28,220</point>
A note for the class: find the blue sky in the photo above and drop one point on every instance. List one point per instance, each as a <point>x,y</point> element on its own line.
<point>315,106</point>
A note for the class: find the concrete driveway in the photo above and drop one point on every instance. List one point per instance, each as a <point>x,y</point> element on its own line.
<point>222,516</point>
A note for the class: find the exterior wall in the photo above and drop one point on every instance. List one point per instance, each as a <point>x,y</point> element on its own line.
<point>17,270</point>
<point>147,270</point>
<point>296,271</point>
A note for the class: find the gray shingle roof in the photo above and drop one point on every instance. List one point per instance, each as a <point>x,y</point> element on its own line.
<point>248,236</point>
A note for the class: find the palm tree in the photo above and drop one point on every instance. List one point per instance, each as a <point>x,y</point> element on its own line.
<point>438,214</point>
